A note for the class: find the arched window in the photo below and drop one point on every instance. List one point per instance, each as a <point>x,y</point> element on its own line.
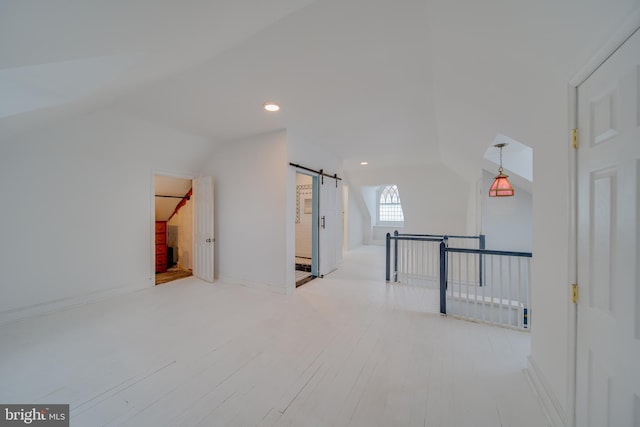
<point>389,206</point>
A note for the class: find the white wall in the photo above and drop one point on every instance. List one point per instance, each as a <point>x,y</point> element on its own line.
<point>434,198</point>
<point>183,221</point>
<point>474,206</point>
<point>251,211</point>
<point>506,221</point>
<point>369,216</point>
<point>355,219</point>
<point>78,208</point>
<point>550,266</point>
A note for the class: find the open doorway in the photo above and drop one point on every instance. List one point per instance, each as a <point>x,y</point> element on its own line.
<point>306,252</point>
<point>173,228</point>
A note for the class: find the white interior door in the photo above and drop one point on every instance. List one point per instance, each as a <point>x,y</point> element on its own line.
<point>203,239</point>
<point>608,346</point>
<point>330,219</point>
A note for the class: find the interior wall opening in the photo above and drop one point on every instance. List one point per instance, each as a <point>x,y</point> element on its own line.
<point>173,239</point>
<point>306,228</point>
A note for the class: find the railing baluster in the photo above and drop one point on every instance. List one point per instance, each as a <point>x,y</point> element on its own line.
<point>475,288</point>
<point>509,285</point>
<point>529,318</point>
<point>414,252</point>
<point>492,289</point>
<point>422,259</point>
<point>466,280</point>
<point>484,289</point>
<point>521,321</point>
<point>501,289</point>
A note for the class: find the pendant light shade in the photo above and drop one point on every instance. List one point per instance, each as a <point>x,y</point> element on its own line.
<point>501,186</point>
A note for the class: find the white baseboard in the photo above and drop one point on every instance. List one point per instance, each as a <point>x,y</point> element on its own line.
<point>550,404</point>
<point>16,314</point>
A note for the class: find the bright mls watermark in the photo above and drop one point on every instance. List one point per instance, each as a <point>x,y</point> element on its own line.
<point>34,415</point>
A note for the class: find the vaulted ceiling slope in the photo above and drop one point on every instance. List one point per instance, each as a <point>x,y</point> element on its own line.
<point>391,82</point>
<point>66,56</point>
<point>352,75</point>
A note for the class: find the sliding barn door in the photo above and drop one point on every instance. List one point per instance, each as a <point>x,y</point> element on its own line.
<point>608,346</point>
<point>330,220</point>
<point>203,239</point>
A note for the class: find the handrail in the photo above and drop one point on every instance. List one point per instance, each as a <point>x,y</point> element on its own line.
<point>490,252</point>
<point>441,236</point>
<point>418,239</point>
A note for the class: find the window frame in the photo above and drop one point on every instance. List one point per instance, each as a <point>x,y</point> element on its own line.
<point>379,193</point>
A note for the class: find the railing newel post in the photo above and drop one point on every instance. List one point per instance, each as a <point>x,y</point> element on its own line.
<point>388,260</point>
<point>395,256</point>
<point>482,246</point>
<point>443,277</point>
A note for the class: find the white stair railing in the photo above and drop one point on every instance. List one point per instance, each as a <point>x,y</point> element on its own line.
<point>501,295</point>
<point>475,283</point>
<point>415,258</point>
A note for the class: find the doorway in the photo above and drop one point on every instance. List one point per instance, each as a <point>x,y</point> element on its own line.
<point>173,240</point>
<point>306,228</point>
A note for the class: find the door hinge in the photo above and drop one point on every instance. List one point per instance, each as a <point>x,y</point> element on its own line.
<point>574,293</point>
<point>574,138</point>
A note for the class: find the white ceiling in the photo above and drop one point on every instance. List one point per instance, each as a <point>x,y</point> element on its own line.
<point>390,82</point>
<point>354,76</point>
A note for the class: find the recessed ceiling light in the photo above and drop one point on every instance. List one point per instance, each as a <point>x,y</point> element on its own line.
<point>364,163</point>
<point>271,106</point>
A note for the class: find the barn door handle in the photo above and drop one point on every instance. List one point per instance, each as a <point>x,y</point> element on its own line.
<point>323,221</point>
<point>210,240</point>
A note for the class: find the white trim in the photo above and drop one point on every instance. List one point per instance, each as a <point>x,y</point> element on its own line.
<point>550,405</point>
<point>572,309</point>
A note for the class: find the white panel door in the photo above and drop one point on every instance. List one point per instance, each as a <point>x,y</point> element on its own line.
<point>608,346</point>
<point>203,239</point>
<point>330,219</point>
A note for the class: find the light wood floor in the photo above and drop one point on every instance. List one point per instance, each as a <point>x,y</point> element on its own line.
<point>346,350</point>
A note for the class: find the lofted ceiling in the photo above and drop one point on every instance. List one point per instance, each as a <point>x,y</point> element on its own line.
<point>390,82</point>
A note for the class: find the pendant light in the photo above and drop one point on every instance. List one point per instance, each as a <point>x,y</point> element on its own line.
<point>501,186</point>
